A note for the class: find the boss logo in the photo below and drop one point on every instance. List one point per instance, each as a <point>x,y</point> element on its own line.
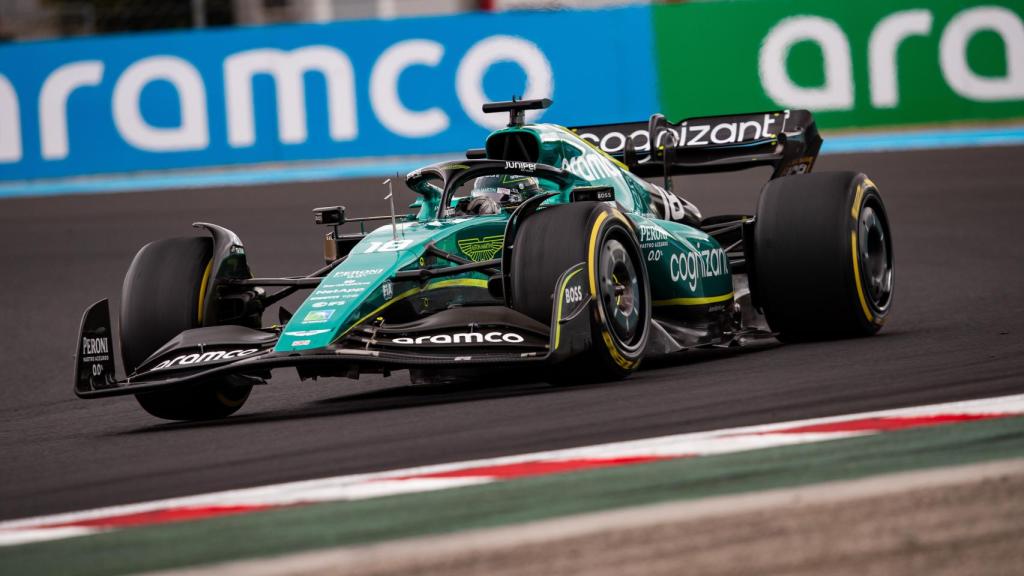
<point>573,294</point>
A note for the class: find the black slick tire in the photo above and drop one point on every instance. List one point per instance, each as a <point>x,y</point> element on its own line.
<point>161,297</point>
<point>558,237</point>
<point>823,263</point>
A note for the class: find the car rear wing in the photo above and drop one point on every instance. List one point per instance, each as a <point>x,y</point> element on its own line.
<point>787,140</point>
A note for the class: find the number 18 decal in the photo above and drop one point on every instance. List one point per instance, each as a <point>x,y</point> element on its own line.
<point>389,246</point>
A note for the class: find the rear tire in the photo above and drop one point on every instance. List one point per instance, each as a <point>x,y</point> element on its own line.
<point>162,296</point>
<point>558,237</point>
<point>823,259</point>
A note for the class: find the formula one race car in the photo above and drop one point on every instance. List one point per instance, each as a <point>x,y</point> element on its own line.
<point>548,249</point>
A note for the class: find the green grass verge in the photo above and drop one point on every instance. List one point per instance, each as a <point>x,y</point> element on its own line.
<point>345,523</point>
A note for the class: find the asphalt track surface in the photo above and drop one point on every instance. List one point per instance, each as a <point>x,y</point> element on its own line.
<point>957,332</point>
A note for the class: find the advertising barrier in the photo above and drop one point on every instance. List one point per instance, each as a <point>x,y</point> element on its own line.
<point>372,89</point>
<point>305,92</point>
<point>854,64</point>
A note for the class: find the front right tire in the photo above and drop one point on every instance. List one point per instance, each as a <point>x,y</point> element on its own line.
<point>558,237</point>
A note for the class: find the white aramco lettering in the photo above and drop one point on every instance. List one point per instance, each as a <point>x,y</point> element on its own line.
<point>206,357</point>
<point>540,82</point>
<point>10,123</point>
<point>463,338</point>
<point>953,54</point>
<point>193,132</point>
<point>837,91</point>
<point>287,69</point>
<point>385,99</point>
<point>883,49</point>
<point>53,104</point>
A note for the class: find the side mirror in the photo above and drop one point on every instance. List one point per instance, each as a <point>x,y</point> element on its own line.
<point>336,245</point>
<point>329,216</point>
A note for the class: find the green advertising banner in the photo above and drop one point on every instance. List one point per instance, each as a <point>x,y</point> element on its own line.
<point>854,64</point>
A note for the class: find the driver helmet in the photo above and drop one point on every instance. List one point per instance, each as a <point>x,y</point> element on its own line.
<point>506,189</point>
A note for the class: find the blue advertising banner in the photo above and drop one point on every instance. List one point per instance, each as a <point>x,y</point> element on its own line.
<point>142,102</point>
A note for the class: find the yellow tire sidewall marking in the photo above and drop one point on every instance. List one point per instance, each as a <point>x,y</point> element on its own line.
<point>617,356</point>
<point>856,278</point>
<point>591,262</point>
<point>202,290</point>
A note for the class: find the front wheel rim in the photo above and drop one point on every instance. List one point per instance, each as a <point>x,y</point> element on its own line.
<point>620,292</point>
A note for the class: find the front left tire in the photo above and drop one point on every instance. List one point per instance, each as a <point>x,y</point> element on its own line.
<point>163,295</point>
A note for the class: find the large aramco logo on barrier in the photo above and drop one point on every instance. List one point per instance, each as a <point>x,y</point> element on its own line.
<point>892,31</point>
<point>869,63</point>
<point>219,101</point>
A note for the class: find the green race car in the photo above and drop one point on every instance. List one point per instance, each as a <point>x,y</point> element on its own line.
<point>551,250</point>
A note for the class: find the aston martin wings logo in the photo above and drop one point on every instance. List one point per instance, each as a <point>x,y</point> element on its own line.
<point>480,249</point>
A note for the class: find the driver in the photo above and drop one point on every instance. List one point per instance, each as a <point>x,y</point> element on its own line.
<point>493,193</point>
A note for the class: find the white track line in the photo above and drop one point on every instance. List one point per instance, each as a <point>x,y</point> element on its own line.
<point>411,480</point>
